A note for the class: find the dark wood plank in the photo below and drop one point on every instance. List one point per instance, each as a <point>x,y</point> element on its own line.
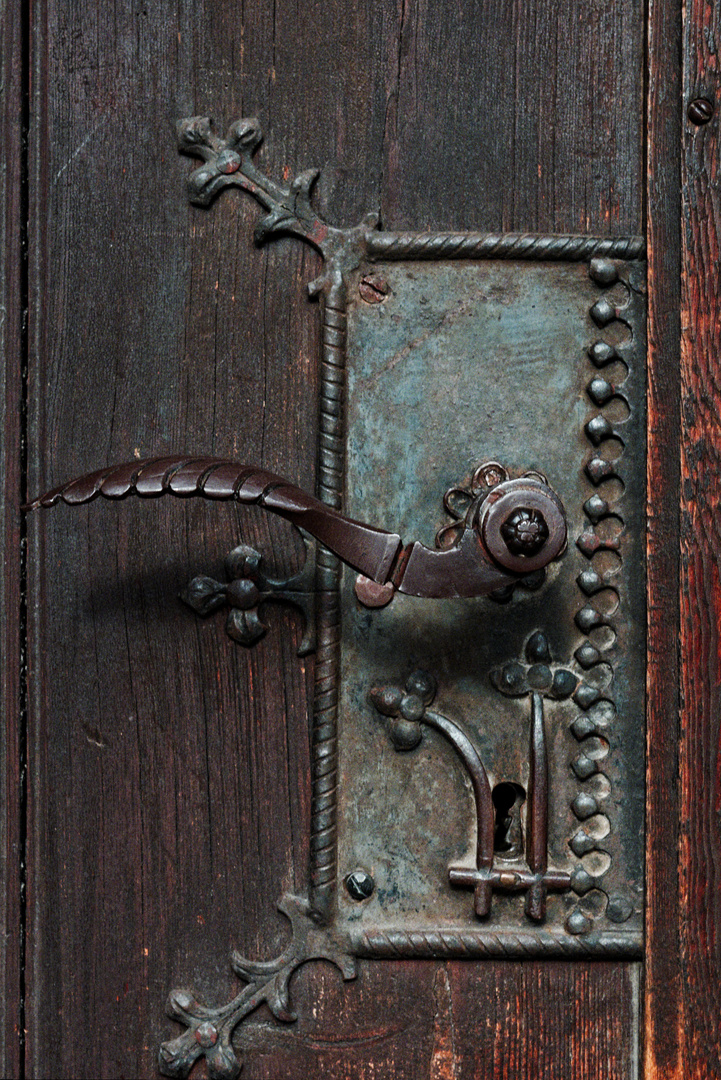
<point>11,405</point>
<point>663,1024</point>
<point>514,116</point>
<point>456,1021</point>
<point>700,793</point>
<point>170,767</point>
<point>155,738</point>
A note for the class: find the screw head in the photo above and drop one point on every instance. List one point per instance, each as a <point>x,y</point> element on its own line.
<point>700,111</point>
<point>360,885</point>
<point>525,532</point>
<point>373,289</point>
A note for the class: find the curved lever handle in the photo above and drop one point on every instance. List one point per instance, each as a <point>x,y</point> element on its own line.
<point>516,527</point>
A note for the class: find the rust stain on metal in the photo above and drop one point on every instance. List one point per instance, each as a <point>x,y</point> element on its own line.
<point>373,289</point>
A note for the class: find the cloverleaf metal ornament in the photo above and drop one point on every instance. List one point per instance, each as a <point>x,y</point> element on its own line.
<point>399,295</point>
<point>248,587</point>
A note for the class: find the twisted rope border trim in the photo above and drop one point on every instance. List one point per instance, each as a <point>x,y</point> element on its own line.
<point>535,246</point>
<point>476,944</point>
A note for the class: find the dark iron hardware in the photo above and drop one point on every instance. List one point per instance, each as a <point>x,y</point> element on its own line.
<point>407,712</point>
<point>512,527</point>
<point>498,333</point>
<point>248,587</point>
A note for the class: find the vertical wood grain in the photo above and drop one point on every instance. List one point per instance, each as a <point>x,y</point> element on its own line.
<point>169,782</point>
<point>11,400</point>
<point>663,1013</point>
<point>456,1021</point>
<point>516,116</point>
<point>700,596</point>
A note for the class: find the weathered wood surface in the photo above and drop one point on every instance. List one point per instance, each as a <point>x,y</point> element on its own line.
<point>455,1021</point>
<point>700,774</point>
<point>663,1027</point>
<point>11,396</point>
<point>169,795</point>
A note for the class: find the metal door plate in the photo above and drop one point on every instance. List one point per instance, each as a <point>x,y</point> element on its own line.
<point>440,352</point>
<point>462,361</point>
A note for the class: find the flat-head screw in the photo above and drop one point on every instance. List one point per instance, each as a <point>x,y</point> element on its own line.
<point>373,289</point>
<point>700,111</point>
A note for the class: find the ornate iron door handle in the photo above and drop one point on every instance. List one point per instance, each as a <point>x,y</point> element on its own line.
<point>512,527</point>
<point>511,335</point>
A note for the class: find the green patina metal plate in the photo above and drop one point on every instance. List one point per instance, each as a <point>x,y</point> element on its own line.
<point>538,366</point>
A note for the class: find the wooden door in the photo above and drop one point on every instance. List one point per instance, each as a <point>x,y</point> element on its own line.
<point>156,800</point>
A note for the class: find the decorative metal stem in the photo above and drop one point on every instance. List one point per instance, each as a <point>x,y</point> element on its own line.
<point>229,162</point>
<point>537,830</point>
<point>484,804</point>
<point>537,879</point>
<point>331,462</point>
<point>407,711</point>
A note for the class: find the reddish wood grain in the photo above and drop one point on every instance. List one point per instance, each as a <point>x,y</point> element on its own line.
<point>169,783</point>
<point>700,754</point>
<point>11,404</point>
<point>456,1021</point>
<point>663,1026</point>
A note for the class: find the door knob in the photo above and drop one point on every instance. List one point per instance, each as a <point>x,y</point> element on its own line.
<point>512,528</point>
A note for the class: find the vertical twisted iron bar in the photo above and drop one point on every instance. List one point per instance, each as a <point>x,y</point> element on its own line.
<point>323,838</point>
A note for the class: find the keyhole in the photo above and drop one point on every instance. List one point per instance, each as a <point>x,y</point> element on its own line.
<point>507,836</point>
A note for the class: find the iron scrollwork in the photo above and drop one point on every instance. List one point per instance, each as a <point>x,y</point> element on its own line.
<point>512,851</point>
<point>209,1030</point>
<point>535,680</point>
<point>248,586</point>
<point>408,711</point>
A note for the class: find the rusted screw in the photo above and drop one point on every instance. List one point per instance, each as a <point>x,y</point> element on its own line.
<point>373,289</point>
<point>700,111</point>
